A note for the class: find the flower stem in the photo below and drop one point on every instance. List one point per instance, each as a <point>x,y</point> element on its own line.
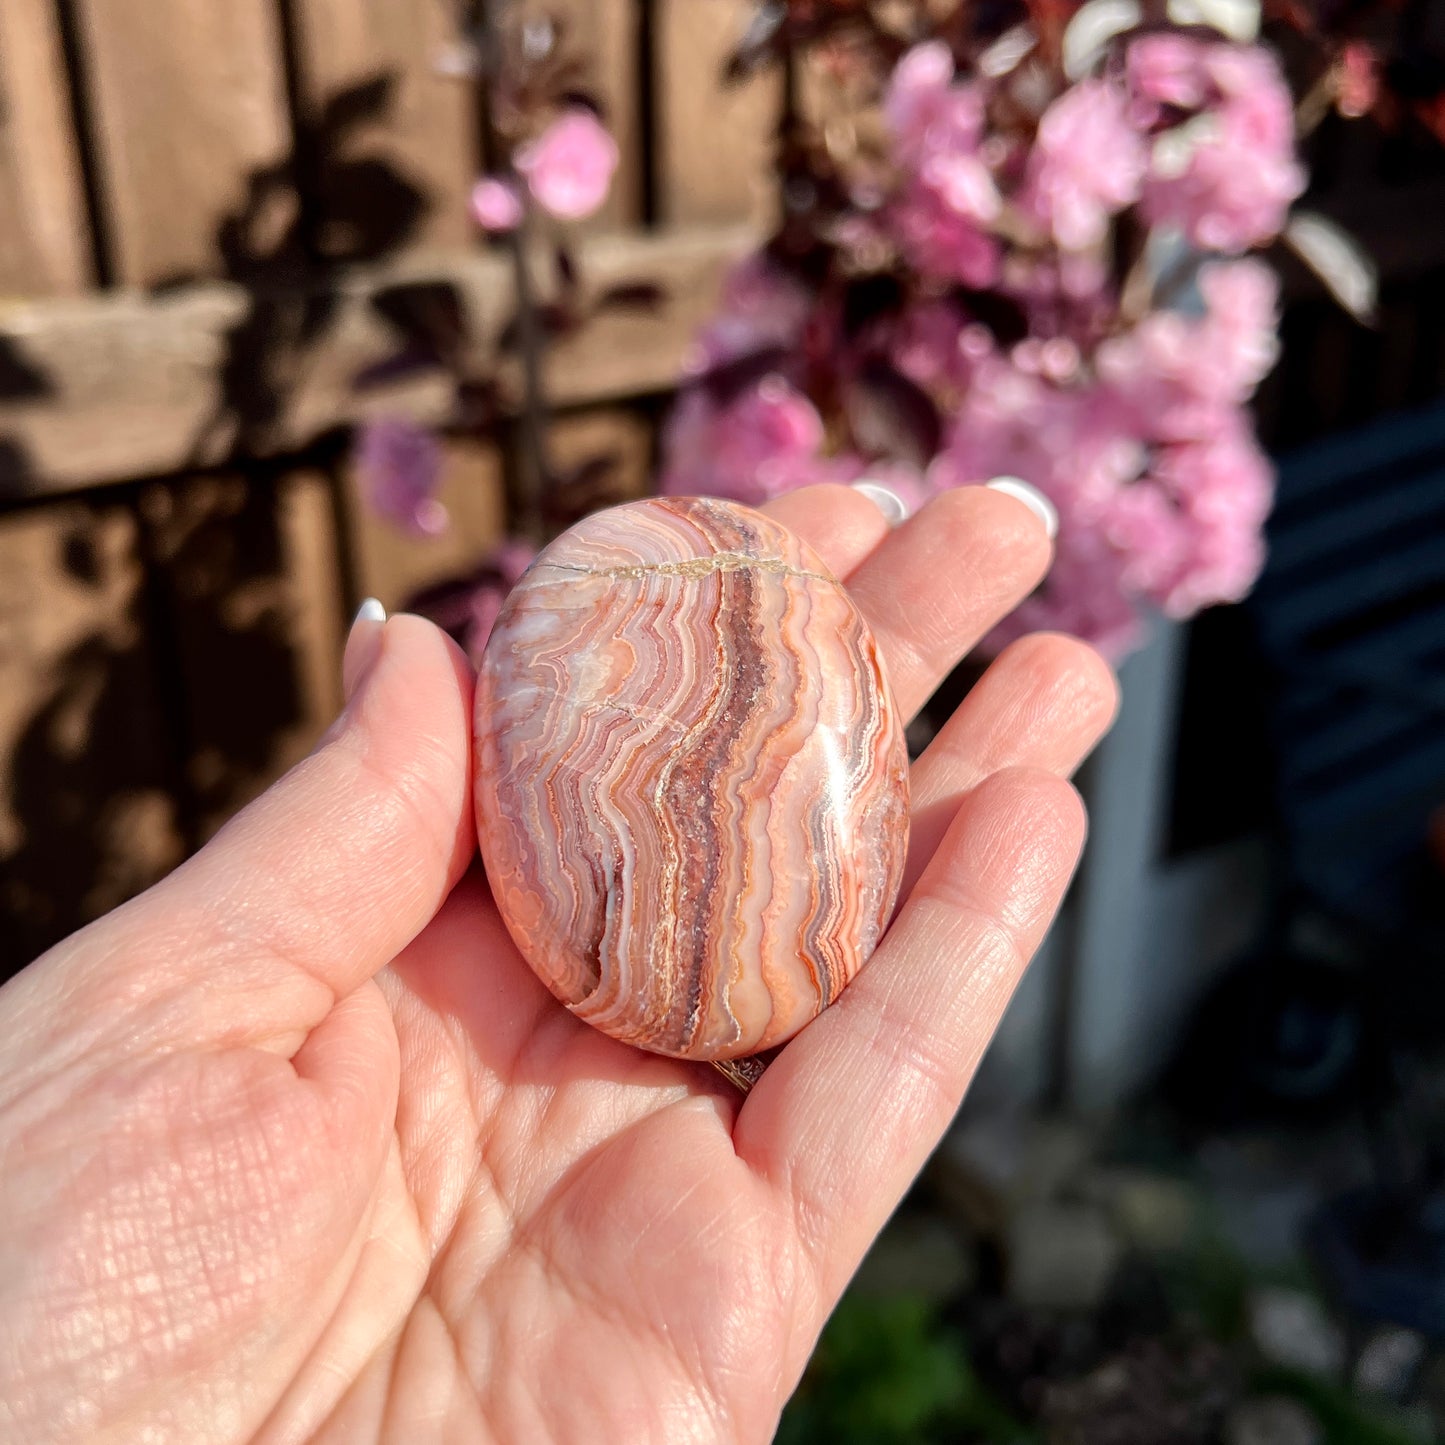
<point>532,466</point>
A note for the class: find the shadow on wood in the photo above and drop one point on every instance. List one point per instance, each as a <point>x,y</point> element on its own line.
<point>161,661</point>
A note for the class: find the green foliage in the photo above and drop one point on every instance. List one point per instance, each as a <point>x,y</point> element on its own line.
<point>1211,1283</point>
<point>1344,1419</point>
<point>887,1373</point>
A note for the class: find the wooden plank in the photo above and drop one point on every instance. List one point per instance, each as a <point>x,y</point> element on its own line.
<point>134,381</point>
<point>421,138</point>
<point>248,575</point>
<point>86,810</point>
<point>621,435</point>
<point>714,140</point>
<point>393,565</point>
<point>189,100</point>
<point>44,249</point>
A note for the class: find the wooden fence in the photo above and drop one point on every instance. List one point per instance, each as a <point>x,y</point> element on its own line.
<point>199,203</point>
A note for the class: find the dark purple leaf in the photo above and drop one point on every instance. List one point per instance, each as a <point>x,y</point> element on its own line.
<point>479,403</point>
<point>577,490</point>
<point>870,298</point>
<point>588,473</point>
<point>370,210</point>
<point>891,416</point>
<point>553,319</point>
<point>726,382</point>
<point>1003,317</point>
<point>429,314</point>
<point>583,100</point>
<point>639,295</point>
<point>566,269</point>
<point>399,366</point>
<point>449,603</point>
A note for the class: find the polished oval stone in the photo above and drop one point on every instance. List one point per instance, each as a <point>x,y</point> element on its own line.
<point>692,785</point>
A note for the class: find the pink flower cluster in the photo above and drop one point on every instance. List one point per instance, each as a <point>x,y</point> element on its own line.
<point>1132,419</point>
<point>948,202</point>
<point>567,169</point>
<point>1226,173</point>
<point>1086,165</point>
<point>1160,486</point>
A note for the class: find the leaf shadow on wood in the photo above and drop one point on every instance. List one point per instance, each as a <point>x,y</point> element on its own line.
<point>182,693</point>
<point>328,205</point>
<point>186,689</point>
<point>20,381</point>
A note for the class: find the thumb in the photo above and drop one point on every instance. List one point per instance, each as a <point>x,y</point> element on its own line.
<point>317,884</point>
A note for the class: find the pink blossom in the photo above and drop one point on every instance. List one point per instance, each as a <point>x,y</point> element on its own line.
<point>760,308</point>
<point>925,112</point>
<point>1241,330</point>
<point>1151,536</point>
<point>1009,423</point>
<point>948,198</point>
<point>1144,520</point>
<point>1220,491</point>
<point>1167,68</point>
<point>1087,163</point>
<point>762,443</point>
<point>1064,296</point>
<point>927,345</point>
<point>941,241</point>
<point>1222,480</point>
<point>1182,374</point>
<point>1227,178</point>
<point>569,166</point>
<point>1083,595</point>
<point>399,467</point>
<point>496,204</point>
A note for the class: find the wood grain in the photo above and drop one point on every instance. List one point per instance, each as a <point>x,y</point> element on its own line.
<point>425,133</point>
<point>87,812</point>
<point>189,102</point>
<point>714,141</point>
<point>44,247</point>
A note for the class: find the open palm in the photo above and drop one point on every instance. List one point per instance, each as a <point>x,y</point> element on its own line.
<point>295,1146</point>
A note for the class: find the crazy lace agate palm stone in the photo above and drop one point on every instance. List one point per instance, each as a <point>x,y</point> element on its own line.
<point>692,786</point>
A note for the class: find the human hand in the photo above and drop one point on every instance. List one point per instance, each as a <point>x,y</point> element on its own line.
<point>295,1146</point>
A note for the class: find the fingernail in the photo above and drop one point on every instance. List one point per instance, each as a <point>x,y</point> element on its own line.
<point>363,643</point>
<point>887,501</point>
<point>1032,498</point>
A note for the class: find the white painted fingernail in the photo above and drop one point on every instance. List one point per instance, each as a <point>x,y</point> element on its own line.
<point>893,507</point>
<point>363,643</point>
<point>1032,498</point>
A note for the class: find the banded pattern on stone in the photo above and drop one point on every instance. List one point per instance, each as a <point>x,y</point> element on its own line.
<point>692,790</point>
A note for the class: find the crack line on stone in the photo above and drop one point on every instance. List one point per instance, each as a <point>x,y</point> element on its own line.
<point>692,567</point>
